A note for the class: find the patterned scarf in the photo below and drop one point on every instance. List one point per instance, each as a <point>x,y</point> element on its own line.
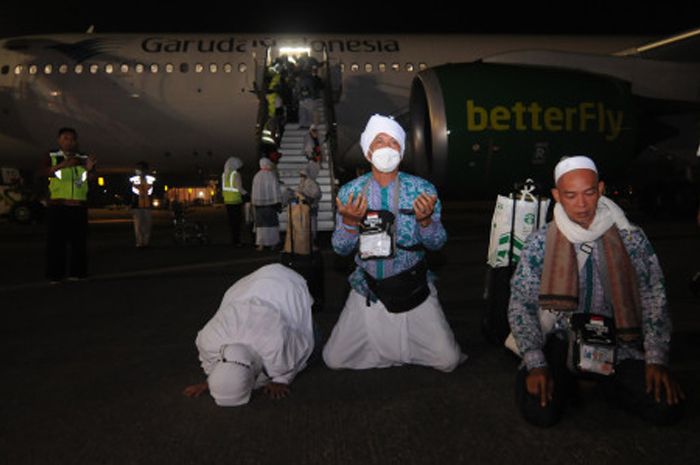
<point>559,287</point>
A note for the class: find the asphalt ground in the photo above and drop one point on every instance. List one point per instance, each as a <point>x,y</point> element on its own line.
<point>93,371</point>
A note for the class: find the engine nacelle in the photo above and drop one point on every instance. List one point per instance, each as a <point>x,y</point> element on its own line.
<point>476,128</point>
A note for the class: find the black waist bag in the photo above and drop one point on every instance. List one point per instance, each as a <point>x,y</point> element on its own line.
<point>402,292</point>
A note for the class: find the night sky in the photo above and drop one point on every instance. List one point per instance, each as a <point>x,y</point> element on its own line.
<point>659,19</point>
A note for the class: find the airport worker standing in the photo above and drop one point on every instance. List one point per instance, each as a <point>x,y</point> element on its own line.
<point>261,336</point>
<point>69,174</point>
<point>588,301</point>
<point>267,200</point>
<point>142,190</point>
<point>233,193</point>
<point>389,219</point>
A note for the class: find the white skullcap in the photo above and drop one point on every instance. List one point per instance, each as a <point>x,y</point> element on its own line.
<point>378,124</point>
<point>567,164</point>
<point>232,380</point>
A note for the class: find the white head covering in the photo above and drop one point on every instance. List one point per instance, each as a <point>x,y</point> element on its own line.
<point>233,379</point>
<point>266,186</point>
<point>310,170</point>
<point>378,124</point>
<point>567,164</point>
<point>232,164</point>
<point>266,163</point>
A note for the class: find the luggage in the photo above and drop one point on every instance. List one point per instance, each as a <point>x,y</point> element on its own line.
<point>298,253</point>
<point>514,218</point>
<point>298,239</point>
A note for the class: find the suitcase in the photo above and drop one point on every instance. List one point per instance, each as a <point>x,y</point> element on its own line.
<point>298,253</point>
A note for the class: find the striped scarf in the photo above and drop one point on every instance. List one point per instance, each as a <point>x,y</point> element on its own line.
<point>559,286</point>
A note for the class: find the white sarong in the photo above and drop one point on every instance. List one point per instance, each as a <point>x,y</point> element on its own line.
<point>371,337</point>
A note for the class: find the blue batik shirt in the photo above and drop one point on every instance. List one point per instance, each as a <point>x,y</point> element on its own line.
<point>408,231</point>
<point>524,299</point>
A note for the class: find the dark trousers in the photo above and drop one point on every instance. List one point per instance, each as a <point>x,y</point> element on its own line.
<point>66,241</point>
<point>626,389</point>
<point>234,220</point>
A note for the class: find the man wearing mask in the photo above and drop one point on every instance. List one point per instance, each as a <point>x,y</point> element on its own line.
<point>392,315</point>
<point>69,174</point>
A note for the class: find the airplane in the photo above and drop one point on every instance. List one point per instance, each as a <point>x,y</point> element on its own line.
<point>186,102</point>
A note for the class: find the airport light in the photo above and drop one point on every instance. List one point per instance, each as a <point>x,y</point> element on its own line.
<point>294,50</point>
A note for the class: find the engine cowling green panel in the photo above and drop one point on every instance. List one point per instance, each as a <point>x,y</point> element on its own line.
<point>479,128</point>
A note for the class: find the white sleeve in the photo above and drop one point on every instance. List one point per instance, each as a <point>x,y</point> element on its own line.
<point>285,356</point>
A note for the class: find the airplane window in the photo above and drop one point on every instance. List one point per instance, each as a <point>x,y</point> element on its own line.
<point>138,68</point>
<point>198,67</point>
<point>184,67</point>
<point>18,69</point>
<point>5,69</point>
<point>242,67</point>
<point>63,69</point>
<point>124,68</point>
<point>368,67</point>
<point>213,68</point>
<point>154,68</point>
<point>354,67</point>
<point>422,66</point>
<point>169,68</point>
<point>94,69</point>
<point>33,69</point>
<point>48,69</point>
<point>109,68</point>
<point>78,69</point>
<point>396,67</point>
<point>409,67</point>
<point>382,67</point>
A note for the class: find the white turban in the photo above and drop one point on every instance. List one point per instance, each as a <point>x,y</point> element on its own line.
<point>378,124</point>
<point>232,380</point>
<point>573,163</point>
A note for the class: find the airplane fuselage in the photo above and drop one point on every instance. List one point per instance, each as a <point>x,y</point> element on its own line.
<point>185,102</point>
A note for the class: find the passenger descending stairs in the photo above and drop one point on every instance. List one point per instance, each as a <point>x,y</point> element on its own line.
<point>293,160</point>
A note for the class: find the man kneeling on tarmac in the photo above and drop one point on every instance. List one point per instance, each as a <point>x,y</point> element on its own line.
<point>588,301</point>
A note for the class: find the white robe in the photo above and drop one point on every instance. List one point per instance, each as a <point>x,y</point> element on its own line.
<point>371,337</point>
<point>269,311</point>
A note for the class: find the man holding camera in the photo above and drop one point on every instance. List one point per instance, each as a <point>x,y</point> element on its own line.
<point>69,174</point>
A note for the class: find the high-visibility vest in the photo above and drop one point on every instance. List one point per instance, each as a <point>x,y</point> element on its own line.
<point>68,183</point>
<point>142,191</point>
<point>231,194</point>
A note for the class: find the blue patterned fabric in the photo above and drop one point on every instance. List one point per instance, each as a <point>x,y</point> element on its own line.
<point>408,231</point>
<point>525,287</point>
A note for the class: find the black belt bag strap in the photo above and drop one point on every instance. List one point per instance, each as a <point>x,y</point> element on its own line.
<point>404,291</point>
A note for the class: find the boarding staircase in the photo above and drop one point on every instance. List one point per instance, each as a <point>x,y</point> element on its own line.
<point>293,160</point>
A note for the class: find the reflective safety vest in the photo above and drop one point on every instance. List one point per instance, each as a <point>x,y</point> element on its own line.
<point>142,192</point>
<point>68,183</point>
<point>231,194</point>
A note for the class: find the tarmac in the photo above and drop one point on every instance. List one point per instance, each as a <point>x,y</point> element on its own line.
<point>93,371</point>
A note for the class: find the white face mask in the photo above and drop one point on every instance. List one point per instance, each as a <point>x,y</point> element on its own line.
<point>386,159</point>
